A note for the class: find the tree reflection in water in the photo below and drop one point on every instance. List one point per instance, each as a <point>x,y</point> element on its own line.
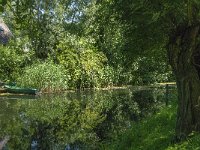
<point>74,120</point>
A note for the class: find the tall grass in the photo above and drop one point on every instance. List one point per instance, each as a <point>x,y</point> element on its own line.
<point>50,77</point>
<point>47,77</point>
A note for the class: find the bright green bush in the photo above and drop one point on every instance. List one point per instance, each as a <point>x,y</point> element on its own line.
<point>84,65</point>
<point>47,77</point>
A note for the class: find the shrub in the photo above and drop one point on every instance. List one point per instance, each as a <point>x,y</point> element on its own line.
<point>47,77</point>
<point>83,64</point>
<point>9,63</point>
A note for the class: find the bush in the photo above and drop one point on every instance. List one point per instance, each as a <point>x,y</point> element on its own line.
<point>84,65</point>
<point>47,77</point>
<point>9,64</point>
<point>149,71</point>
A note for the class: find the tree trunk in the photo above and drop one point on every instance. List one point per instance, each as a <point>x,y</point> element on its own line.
<point>184,57</point>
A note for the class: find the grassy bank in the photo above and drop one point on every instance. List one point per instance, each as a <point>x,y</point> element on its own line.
<point>154,133</point>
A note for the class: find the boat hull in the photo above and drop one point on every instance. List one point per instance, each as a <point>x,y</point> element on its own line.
<point>17,90</point>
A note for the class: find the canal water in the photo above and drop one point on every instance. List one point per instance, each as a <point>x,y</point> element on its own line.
<point>76,120</point>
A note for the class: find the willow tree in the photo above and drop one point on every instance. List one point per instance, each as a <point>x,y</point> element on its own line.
<point>184,56</point>
<point>174,26</point>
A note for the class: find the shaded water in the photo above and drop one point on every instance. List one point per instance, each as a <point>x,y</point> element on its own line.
<point>79,120</point>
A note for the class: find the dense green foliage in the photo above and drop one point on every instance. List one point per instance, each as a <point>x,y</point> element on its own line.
<point>9,63</point>
<point>83,64</point>
<point>47,77</point>
<point>82,37</point>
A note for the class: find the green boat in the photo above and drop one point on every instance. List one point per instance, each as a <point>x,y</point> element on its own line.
<point>18,90</point>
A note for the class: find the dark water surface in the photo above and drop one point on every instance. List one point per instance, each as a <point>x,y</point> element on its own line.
<point>75,120</point>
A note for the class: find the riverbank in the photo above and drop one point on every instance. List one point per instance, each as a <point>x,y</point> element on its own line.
<point>133,87</point>
<point>155,133</point>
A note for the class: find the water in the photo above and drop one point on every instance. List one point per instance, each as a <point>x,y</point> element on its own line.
<point>75,120</point>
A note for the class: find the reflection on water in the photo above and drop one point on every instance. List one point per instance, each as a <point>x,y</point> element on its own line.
<point>79,120</point>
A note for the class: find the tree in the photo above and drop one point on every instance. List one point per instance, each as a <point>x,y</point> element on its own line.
<point>175,26</point>
<point>44,22</point>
